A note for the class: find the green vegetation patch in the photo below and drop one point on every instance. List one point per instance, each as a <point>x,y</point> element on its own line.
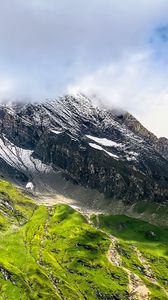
<point>53,253</point>
<point>151,242</point>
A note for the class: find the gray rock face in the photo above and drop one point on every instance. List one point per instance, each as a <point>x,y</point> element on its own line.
<point>161,144</point>
<point>113,154</point>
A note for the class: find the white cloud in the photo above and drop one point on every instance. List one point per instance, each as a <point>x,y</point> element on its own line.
<point>7,87</point>
<point>133,83</point>
<point>156,120</point>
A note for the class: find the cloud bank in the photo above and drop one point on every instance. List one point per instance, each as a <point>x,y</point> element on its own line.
<point>116,50</point>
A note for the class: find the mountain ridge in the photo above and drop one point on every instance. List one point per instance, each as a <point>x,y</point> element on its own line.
<point>93,147</point>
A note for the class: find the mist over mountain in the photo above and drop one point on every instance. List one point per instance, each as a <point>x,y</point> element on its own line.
<point>117,51</point>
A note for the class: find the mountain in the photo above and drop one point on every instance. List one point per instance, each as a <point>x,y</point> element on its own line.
<point>71,140</point>
<point>93,169</point>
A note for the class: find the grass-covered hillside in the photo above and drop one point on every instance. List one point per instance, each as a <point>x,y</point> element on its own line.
<point>54,253</point>
<point>142,248</point>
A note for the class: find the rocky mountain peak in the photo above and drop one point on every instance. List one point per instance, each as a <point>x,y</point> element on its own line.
<point>89,146</point>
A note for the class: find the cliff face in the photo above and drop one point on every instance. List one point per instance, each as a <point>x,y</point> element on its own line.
<point>161,144</point>
<point>115,155</point>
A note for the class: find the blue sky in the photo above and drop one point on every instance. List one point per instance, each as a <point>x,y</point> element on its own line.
<point>114,49</point>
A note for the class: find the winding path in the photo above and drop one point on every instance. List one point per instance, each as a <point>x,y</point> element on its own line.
<point>137,288</point>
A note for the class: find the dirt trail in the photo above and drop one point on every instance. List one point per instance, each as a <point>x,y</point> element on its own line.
<point>148,271</point>
<point>137,288</point>
<point>113,255</point>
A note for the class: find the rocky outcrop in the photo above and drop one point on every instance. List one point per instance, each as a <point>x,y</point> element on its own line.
<point>160,144</point>
<point>135,126</point>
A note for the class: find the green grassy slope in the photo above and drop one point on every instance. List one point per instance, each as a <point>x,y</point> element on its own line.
<point>139,242</point>
<point>54,253</point>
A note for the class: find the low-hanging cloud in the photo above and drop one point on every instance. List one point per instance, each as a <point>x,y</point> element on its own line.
<point>114,49</point>
<point>136,84</point>
<point>133,83</point>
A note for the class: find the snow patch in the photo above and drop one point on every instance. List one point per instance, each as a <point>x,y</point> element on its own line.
<point>55,131</point>
<point>133,158</point>
<point>95,146</point>
<point>21,159</point>
<point>112,155</point>
<point>30,186</point>
<point>130,155</point>
<point>133,153</point>
<point>104,142</point>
